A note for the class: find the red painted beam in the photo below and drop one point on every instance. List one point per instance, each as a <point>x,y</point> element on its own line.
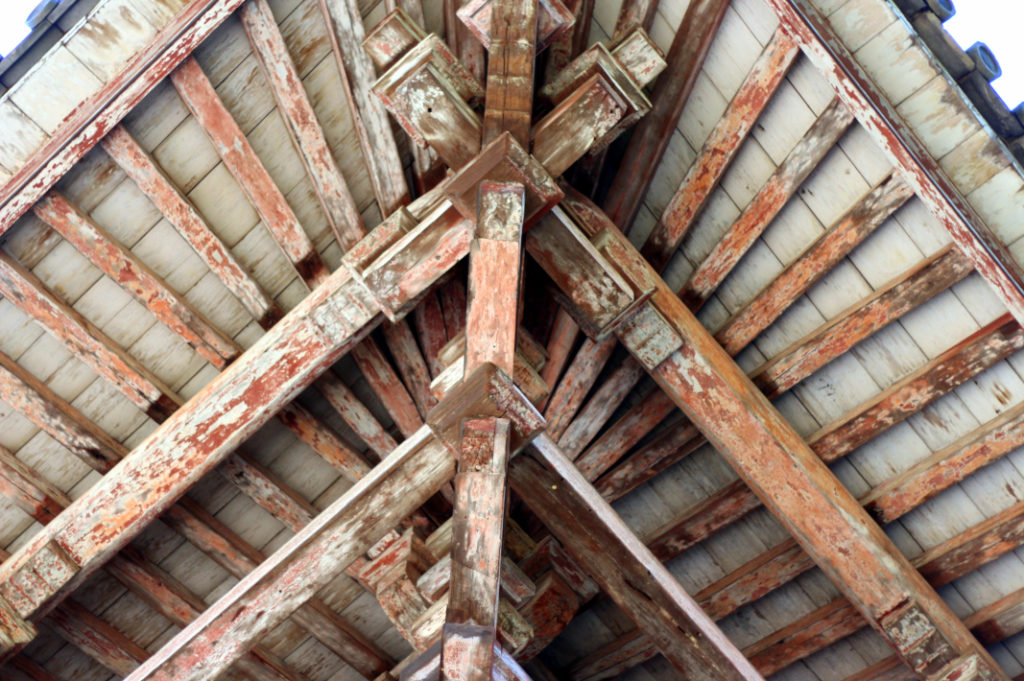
<point>99,113</point>
<point>245,166</point>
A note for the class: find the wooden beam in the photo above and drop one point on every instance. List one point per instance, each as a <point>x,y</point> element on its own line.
<point>139,165</point>
<point>121,265</point>
<point>721,147</point>
<point>925,280</point>
<point>568,46</point>
<point>386,385</point>
<point>650,138</point>
<point>290,577</point>
<point>769,201</point>
<point>600,407</point>
<point>511,56</point>
<point>85,341</point>
<point>968,358</point>
<point>592,532</point>
<point>634,425</point>
<point>245,166</point>
<point>307,135</point>
<point>816,37</point>
<point>308,340</point>
<point>104,109</point>
<point>356,415</point>
<point>470,628</point>
<point>574,387</point>
<point>816,261</point>
<point>368,116</point>
<point>635,12</point>
<point>669,447</point>
<point>494,267</point>
<point>739,421</point>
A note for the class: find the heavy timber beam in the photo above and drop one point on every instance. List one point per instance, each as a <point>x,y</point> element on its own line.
<point>512,52</point>
<point>414,471</point>
<point>651,137</point>
<point>778,466</point>
<point>864,98</point>
<point>593,533</point>
<point>99,113</point>
<point>198,436</point>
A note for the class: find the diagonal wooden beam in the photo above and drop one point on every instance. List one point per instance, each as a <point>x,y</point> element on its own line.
<point>196,90</point>
<point>590,530</point>
<point>121,265</point>
<point>769,201</point>
<point>811,265</point>
<point>179,211</point>
<point>815,36</point>
<point>289,578</point>
<point>307,135</point>
<point>368,116</point>
<point>739,421</point>
<point>100,112</point>
<point>307,341</point>
<point>721,147</point>
<point>85,341</point>
<point>651,136</point>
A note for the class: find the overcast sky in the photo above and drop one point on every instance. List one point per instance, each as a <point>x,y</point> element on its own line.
<point>997,23</point>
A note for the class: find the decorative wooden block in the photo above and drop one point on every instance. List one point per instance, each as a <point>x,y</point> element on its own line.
<point>31,586</point>
<point>504,160</point>
<point>431,94</point>
<point>553,21</point>
<point>486,392</point>
<point>393,37</point>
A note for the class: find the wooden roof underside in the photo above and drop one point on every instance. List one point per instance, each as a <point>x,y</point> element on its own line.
<point>181,182</point>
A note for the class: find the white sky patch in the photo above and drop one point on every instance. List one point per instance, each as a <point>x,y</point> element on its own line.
<point>12,22</point>
<point>997,23</point>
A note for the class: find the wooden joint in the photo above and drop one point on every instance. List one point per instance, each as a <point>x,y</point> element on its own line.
<point>916,639</point>
<point>649,336</point>
<point>392,38</point>
<point>591,286</point>
<point>480,439</point>
<point>401,258</point>
<point>487,391</point>
<point>504,160</point>
<point>553,21</point>
<point>34,584</point>
<point>639,55</point>
<point>431,95</point>
<point>525,372</point>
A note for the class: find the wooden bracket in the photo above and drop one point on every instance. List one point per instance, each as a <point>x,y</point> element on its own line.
<point>36,581</point>
<point>486,392</point>
<point>504,160</point>
<point>14,631</point>
<point>553,21</point>
<point>399,248</point>
<point>392,38</point>
<point>431,95</point>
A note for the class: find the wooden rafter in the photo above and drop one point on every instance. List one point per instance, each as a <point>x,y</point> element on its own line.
<point>812,32</point>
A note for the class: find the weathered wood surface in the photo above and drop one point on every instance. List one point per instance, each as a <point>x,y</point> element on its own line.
<point>380,151</point>
<point>771,198</point>
<point>248,170</point>
<point>812,31</point>
<point>104,109</point>
<point>650,138</point>
<point>386,385</point>
<point>179,211</point>
<point>600,407</point>
<point>512,51</point>
<point>591,531</point>
<point>721,147</point>
<point>411,364</point>
<point>758,443</point>
<point>925,280</point>
<point>635,12</point>
<point>494,267</point>
<point>85,341</point>
<point>580,377</point>
<point>471,620</point>
<point>816,261</point>
<point>307,135</point>
<point>307,341</point>
<point>349,526</point>
<point>133,275</point>
<point>613,443</point>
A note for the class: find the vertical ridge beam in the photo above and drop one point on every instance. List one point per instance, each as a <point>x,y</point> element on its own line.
<point>511,57</point>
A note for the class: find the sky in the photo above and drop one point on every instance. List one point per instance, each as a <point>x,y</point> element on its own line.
<point>997,23</point>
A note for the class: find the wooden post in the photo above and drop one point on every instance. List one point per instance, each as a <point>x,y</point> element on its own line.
<point>511,55</point>
<point>469,632</point>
